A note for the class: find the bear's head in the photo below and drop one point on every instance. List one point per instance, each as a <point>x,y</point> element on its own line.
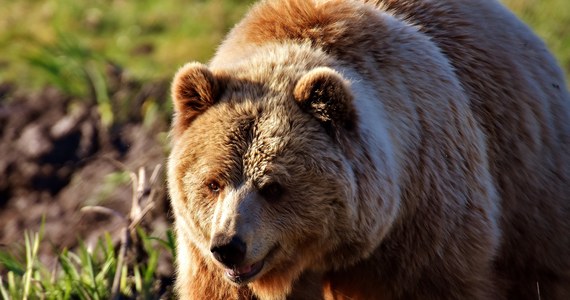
<point>259,181</point>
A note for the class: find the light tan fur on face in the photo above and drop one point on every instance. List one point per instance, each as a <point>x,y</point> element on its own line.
<point>420,147</point>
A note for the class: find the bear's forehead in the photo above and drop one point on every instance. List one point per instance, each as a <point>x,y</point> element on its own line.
<point>270,69</point>
<point>236,141</point>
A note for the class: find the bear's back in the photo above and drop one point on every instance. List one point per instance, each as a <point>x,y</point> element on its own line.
<point>519,96</point>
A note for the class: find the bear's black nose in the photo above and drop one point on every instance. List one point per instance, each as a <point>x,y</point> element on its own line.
<point>231,253</point>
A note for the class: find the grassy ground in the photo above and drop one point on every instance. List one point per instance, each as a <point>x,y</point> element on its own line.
<point>125,269</point>
<point>68,44</point>
<point>98,273</point>
<point>150,39</point>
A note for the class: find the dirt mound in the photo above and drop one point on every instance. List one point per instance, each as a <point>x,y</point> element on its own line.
<point>56,157</point>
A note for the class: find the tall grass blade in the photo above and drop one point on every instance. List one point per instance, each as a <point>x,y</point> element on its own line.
<point>12,285</point>
<point>3,290</point>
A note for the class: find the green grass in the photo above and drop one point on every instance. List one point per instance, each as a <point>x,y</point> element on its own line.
<point>84,273</point>
<point>150,39</point>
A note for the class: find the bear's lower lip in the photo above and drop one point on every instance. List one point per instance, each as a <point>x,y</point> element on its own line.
<point>243,274</point>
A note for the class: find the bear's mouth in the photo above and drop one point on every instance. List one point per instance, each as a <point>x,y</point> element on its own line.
<point>243,274</point>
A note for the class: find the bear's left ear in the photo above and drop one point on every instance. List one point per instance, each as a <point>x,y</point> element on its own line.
<point>326,95</point>
<point>194,89</point>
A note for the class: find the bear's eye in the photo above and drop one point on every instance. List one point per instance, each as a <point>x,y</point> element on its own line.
<point>214,186</point>
<point>271,191</point>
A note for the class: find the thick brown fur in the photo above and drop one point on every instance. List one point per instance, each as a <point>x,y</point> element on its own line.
<point>389,149</point>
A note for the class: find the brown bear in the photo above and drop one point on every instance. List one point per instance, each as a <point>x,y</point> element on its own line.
<point>389,149</point>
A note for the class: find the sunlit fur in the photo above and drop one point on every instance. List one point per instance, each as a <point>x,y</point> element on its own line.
<point>422,148</point>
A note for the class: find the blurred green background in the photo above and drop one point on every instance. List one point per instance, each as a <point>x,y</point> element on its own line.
<point>54,41</point>
<point>58,42</point>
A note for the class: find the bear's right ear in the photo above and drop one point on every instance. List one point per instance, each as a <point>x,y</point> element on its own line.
<point>194,89</point>
<point>326,95</point>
